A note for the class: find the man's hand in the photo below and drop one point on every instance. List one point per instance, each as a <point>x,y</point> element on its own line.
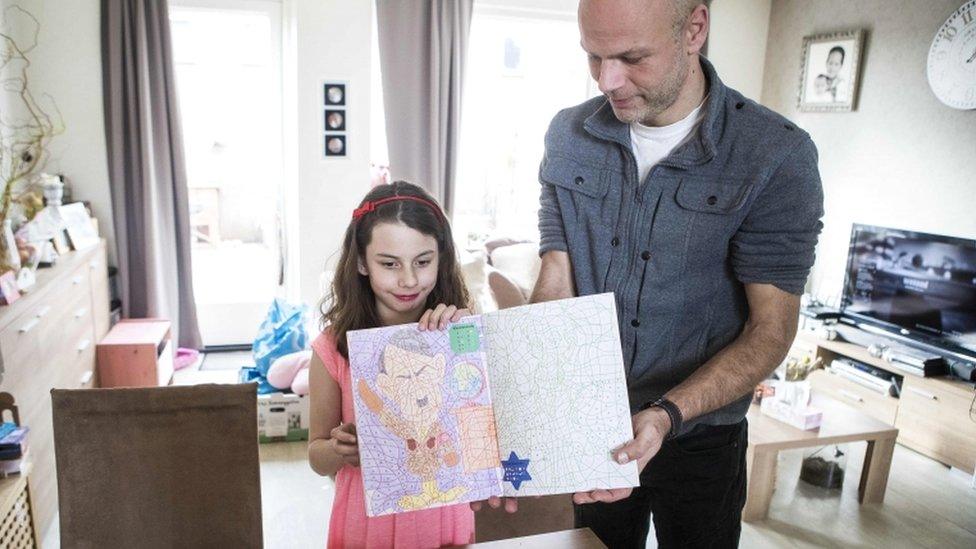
<point>650,429</point>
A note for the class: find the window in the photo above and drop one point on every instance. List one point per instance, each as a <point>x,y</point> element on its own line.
<point>523,67</point>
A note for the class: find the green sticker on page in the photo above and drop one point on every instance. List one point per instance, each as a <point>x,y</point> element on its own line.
<point>464,338</point>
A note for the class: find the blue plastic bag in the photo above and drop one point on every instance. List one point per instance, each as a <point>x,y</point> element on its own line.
<point>281,333</point>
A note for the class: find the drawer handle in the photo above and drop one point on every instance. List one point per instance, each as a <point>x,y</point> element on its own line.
<point>80,312</point>
<point>43,311</point>
<point>29,325</point>
<point>84,345</point>
<point>86,377</point>
<point>922,393</point>
<point>76,280</point>
<point>851,396</point>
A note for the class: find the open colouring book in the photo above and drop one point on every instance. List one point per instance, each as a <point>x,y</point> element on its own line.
<point>524,401</point>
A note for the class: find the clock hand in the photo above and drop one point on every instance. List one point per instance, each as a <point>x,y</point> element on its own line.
<point>971,57</point>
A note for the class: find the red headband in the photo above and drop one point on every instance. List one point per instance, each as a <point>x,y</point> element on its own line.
<point>369,206</point>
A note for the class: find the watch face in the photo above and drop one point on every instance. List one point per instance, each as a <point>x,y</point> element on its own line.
<point>952,59</point>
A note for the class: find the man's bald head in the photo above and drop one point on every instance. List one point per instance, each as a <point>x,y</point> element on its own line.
<point>680,9</point>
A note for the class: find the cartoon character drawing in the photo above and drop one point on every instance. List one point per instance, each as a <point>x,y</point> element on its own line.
<point>411,378</point>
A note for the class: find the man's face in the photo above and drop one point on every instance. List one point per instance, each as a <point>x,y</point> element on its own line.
<point>413,382</point>
<point>834,62</point>
<point>634,55</point>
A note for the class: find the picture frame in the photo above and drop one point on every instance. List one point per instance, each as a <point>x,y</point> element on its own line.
<point>335,120</point>
<point>830,71</point>
<point>335,145</point>
<point>79,227</point>
<point>8,288</point>
<point>335,123</point>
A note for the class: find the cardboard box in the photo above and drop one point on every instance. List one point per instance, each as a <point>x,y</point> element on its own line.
<point>282,417</point>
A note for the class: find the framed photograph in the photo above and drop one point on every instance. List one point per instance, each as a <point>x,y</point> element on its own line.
<point>335,123</point>
<point>8,288</point>
<point>335,145</point>
<point>335,93</point>
<point>335,120</point>
<point>79,226</point>
<point>829,72</point>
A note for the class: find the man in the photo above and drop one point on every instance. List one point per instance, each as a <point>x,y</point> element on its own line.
<point>700,210</point>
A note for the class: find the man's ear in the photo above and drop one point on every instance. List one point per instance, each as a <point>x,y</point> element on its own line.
<point>697,28</point>
<point>361,266</point>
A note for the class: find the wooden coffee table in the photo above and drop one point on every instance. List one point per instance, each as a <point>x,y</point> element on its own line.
<point>841,423</point>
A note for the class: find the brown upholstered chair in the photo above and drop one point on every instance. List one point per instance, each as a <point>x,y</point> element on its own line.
<point>158,467</point>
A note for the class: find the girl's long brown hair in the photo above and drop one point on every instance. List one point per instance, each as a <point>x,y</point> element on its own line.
<point>351,304</point>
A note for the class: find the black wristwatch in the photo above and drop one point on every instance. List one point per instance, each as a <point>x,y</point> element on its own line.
<point>673,412</point>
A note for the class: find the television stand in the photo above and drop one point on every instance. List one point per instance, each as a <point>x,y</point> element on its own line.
<point>936,416</point>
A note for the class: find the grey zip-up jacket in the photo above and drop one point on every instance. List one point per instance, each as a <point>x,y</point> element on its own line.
<point>738,203</point>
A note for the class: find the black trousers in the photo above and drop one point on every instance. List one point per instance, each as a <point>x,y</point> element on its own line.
<point>695,488</point>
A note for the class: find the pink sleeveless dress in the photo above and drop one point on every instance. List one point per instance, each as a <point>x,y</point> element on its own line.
<point>349,525</point>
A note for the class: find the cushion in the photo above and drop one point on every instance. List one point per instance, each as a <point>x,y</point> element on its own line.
<point>520,263</point>
<point>505,292</point>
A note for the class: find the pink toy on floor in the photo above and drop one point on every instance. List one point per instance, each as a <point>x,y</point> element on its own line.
<point>291,371</point>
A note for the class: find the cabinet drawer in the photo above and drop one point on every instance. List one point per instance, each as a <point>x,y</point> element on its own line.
<point>934,419</point>
<point>879,406</point>
<point>21,340</point>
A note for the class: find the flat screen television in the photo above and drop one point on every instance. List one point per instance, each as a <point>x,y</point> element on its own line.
<point>916,285</point>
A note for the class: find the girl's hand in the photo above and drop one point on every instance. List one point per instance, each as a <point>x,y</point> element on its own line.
<point>345,444</point>
<point>438,317</point>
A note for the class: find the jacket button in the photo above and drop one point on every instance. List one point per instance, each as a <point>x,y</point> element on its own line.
<point>712,200</point>
<point>645,255</point>
<point>615,242</point>
<point>635,323</point>
<point>579,180</point>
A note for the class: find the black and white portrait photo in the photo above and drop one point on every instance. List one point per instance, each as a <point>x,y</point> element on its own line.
<point>828,78</point>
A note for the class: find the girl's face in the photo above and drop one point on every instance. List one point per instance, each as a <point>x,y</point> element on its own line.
<point>401,264</point>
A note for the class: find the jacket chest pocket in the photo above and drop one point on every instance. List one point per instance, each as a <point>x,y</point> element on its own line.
<point>584,194</point>
<point>711,210</point>
<point>579,178</point>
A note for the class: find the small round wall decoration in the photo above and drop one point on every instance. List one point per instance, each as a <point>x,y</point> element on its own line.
<point>952,59</point>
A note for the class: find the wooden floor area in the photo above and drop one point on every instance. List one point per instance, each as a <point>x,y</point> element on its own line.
<point>927,505</point>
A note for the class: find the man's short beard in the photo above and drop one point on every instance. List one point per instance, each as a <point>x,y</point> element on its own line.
<point>661,99</point>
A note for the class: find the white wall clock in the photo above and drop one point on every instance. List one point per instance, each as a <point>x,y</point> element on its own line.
<point>952,59</point>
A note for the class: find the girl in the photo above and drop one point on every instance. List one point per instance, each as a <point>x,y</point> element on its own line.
<point>398,265</point>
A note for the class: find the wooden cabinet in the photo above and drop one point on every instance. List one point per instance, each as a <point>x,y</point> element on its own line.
<point>934,419</point>
<point>933,415</point>
<point>47,340</point>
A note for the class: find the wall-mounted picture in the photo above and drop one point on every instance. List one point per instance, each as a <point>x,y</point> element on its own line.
<point>335,110</point>
<point>335,120</point>
<point>335,94</point>
<point>829,72</point>
<point>335,145</point>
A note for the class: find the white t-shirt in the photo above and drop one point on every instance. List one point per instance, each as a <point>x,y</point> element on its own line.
<point>653,144</point>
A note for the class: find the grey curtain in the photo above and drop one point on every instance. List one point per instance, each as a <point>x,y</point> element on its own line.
<point>422,52</point>
<point>147,166</point>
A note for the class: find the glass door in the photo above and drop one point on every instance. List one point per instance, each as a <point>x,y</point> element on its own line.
<point>229,80</point>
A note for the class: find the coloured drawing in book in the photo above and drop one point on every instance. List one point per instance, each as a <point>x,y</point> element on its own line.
<point>423,417</point>
<point>526,401</point>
